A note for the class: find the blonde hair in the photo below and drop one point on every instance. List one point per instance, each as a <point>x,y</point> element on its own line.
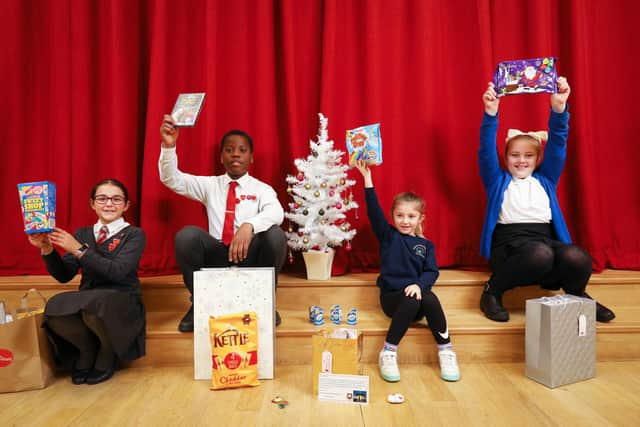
<point>532,141</point>
<point>410,197</point>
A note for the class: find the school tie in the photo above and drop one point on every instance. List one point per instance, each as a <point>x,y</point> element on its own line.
<point>229,214</point>
<point>102,234</point>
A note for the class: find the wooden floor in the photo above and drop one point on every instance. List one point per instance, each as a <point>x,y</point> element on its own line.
<point>489,394</point>
<point>159,390</point>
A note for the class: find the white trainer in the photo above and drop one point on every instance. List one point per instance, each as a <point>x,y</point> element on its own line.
<point>388,363</point>
<point>449,370</point>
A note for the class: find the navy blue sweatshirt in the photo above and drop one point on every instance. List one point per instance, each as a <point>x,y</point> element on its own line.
<point>404,260</point>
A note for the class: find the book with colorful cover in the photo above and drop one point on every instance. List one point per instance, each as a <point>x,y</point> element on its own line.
<point>536,75</point>
<point>187,109</point>
<point>365,143</point>
<point>38,204</point>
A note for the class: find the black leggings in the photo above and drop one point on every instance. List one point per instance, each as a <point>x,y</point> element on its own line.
<point>404,310</point>
<point>539,260</point>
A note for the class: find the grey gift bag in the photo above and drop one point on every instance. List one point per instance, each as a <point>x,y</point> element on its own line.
<point>560,339</point>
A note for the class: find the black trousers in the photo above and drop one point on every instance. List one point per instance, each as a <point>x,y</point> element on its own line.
<point>404,310</point>
<point>196,249</point>
<point>528,254</point>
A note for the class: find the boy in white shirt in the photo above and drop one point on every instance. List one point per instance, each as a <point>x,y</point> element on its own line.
<point>243,230</point>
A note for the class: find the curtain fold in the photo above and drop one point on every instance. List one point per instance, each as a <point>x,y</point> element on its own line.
<point>87,82</point>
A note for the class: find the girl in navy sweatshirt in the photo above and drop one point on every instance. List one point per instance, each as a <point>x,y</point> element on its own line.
<point>408,271</point>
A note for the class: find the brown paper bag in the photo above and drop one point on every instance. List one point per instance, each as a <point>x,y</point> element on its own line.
<point>25,361</point>
<point>335,351</point>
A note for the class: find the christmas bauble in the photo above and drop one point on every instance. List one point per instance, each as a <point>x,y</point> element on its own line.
<point>289,190</point>
<point>305,240</point>
<point>346,201</point>
<point>300,233</point>
<point>331,193</point>
<point>342,181</point>
<point>314,153</point>
<point>321,212</point>
<point>300,176</point>
<point>323,185</point>
<point>296,205</point>
<point>344,227</point>
<point>290,230</point>
<point>305,212</point>
<point>307,186</point>
<point>316,194</point>
<point>338,205</point>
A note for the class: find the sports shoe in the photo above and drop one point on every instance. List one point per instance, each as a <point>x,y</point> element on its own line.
<point>388,363</point>
<point>449,370</point>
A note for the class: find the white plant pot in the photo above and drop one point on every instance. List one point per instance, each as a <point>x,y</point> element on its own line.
<point>318,264</point>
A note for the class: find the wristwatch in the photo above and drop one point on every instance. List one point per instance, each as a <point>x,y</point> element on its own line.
<point>82,249</point>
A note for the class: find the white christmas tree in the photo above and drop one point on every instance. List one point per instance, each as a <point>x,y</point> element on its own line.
<point>320,198</point>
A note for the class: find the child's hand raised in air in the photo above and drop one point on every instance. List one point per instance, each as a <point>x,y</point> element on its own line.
<point>559,99</point>
<point>491,100</point>
<point>363,167</point>
<point>413,290</point>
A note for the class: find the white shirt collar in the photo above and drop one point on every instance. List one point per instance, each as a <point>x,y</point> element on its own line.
<point>242,181</point>
<point>113,227</point>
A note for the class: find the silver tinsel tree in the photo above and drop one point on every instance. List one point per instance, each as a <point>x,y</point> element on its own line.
<point>321,196</point>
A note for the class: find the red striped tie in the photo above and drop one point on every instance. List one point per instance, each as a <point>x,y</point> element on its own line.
<point>229,214</point>
<point>102,234</point>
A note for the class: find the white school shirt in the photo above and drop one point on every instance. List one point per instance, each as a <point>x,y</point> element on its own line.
<point>114,227</point>
<point>257,203</point>
<point>525,201</point>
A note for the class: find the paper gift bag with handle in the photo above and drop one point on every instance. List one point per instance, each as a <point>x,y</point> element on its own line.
<point>335,351</point>
<point>560,339</point>
<point>25,360</point>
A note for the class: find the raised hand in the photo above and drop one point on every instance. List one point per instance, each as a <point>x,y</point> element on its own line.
<point>364,169</point>
<point>559,99</point>
<point>491,100</point>
<point>169,132</point>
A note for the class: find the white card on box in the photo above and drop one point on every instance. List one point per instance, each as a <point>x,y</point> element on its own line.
<point>220,291</point>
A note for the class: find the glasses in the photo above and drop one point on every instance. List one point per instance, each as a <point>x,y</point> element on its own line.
<point>102,200</point>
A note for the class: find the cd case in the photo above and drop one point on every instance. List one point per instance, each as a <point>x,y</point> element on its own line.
<point>187,108</point>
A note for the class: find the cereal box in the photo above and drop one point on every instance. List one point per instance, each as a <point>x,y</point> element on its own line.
<point>526,76</point>
<point>38,203</point>
<point>365,143</point>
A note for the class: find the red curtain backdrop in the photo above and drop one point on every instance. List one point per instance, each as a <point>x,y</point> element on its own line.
<point>85,85</point>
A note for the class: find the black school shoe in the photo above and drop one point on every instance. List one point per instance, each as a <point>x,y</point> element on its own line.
<point>96,376</point>
<point>603,314</point>
<point>186,324</point>
<point>79,376</point>
<point>491,306</point>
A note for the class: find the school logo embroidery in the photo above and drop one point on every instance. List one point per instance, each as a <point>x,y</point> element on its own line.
<point>114,244</point>
<point>420,250</point>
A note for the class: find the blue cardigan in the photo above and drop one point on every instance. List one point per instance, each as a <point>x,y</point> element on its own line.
<point>404,259</point>
<point>496,179</point>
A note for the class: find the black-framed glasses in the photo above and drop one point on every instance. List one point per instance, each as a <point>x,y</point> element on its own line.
<point>102,200</point>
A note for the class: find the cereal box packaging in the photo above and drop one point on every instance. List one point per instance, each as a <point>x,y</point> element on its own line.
<point>526,76</point>
<point>234,350</point>
<point>38,203</point>
<point>365,143</point>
